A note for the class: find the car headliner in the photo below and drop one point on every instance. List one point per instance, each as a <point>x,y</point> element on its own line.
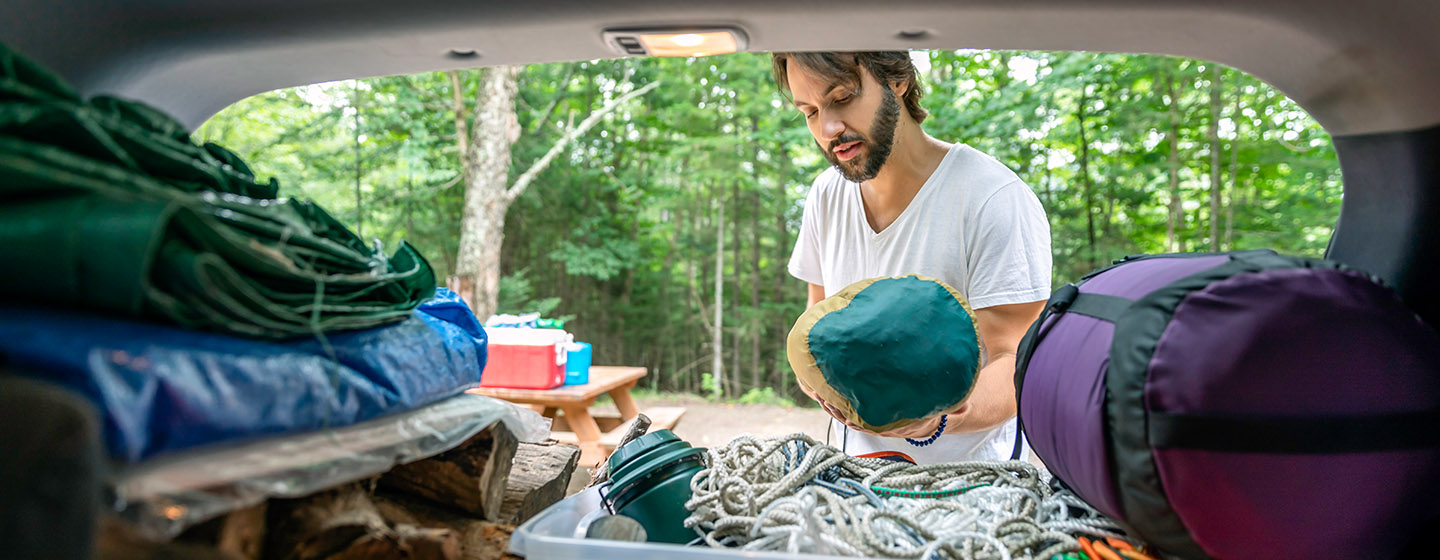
<point>1357,67</point>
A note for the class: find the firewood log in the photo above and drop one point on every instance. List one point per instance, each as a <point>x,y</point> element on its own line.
<point>538,479</point>
<point>344,524</point>
<point>470,478</point>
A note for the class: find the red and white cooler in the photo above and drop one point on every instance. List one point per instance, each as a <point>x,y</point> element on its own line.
<point>525,358</point>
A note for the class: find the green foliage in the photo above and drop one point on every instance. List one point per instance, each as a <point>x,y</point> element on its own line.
<point>707,384</point>
<point>646,393</point>
<point>1030,118</point>
<point>764,395</point>
<point>620,232</point>
<point>517,296</point>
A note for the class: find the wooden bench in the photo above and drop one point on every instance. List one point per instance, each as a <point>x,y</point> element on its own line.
<point>613,427</point>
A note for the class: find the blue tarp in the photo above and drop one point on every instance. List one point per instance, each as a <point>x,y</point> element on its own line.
<point>160,388</point>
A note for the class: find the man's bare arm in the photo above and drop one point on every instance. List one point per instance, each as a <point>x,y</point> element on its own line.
<point>817,293</point>
<point>993,401</point>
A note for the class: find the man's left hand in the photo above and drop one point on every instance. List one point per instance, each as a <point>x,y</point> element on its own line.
<point>922,429</point>
<point>919,430</point>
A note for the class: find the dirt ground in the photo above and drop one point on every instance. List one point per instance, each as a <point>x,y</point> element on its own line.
<point>708,424</point>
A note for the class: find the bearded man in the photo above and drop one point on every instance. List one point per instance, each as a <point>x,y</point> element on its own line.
<point>898,201</point>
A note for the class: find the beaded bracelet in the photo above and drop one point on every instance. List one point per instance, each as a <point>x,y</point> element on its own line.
<point>932,439</point>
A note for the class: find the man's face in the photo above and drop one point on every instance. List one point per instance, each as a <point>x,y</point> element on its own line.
<point>853,124</point>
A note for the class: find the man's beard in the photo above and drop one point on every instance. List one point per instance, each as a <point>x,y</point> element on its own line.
<point>877,151</point>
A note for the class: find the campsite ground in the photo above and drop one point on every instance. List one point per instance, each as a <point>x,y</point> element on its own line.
<point>710,424</point>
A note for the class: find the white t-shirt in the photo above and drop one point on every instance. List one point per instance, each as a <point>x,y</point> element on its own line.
<point>974,225</point>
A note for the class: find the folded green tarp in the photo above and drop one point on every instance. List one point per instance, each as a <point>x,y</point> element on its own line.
<point>107,204</point>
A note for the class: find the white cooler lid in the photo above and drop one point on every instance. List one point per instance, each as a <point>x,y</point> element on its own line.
<point>528,337</point>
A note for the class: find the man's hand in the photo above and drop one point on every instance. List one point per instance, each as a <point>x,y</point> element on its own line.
<point>832,411</point>
<point>919,430</point>
<point>992,401</point>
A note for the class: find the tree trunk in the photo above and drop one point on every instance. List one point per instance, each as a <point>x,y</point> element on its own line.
<point>695,269</point>
<point>736,334</point>
<point>756,330</point>
<point>667,298</point>
<point>1176,215</point>
<point>359,204</point>
<point>486,167</point>
<point>485,164</point>
<point>1107,218</point>
<point>1092,257</point>
<point>479,284</point>
<point>1234,175</point>
<point>1216,187</point>
<point>717,337</point>
<point>782,259</point>
<point>627,294</point>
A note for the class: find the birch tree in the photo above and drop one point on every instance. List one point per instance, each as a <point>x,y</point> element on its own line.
<point>484,142</point>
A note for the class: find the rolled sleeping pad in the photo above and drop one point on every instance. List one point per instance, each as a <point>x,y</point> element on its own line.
<point>888,352</point>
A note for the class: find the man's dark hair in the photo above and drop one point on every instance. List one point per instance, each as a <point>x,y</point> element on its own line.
<point>888,67</point>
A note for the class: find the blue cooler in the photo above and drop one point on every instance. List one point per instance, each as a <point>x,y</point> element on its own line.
<point>577,363</point>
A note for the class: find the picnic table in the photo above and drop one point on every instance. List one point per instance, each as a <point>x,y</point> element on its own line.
<point>596,434</point>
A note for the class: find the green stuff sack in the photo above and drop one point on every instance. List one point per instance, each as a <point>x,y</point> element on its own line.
<point>108,205</point>
<point>888,352</point>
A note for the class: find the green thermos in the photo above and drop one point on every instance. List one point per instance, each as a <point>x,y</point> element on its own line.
<point>650,482</point>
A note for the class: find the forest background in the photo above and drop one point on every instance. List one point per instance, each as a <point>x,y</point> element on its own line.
<point>653,203</point>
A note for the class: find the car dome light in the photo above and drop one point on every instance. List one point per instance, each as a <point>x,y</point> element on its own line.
<point>680,42</point>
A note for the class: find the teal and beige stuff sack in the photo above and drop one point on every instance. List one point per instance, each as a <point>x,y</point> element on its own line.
<point>888,352</point>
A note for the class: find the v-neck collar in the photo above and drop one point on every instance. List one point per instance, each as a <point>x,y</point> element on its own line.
<point>925,188</point>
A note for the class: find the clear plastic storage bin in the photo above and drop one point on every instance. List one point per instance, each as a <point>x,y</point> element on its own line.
<point>558,534</point>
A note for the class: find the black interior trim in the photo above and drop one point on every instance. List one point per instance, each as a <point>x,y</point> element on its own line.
<point>1390,219</point>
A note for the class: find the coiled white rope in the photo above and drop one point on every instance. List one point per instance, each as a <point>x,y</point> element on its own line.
<point>796,495</point>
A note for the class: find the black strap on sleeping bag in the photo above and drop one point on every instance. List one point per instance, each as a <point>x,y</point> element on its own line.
<point>1303,435</point>
<point>1069,299</point>
<point>1066,299</point>
<point>1102,307</point>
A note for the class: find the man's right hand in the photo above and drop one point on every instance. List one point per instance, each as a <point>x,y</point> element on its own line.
<point>832,411</point>
<point>836,414</point>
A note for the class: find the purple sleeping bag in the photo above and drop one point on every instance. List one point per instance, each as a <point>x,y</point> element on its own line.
<point>1241,405</point>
